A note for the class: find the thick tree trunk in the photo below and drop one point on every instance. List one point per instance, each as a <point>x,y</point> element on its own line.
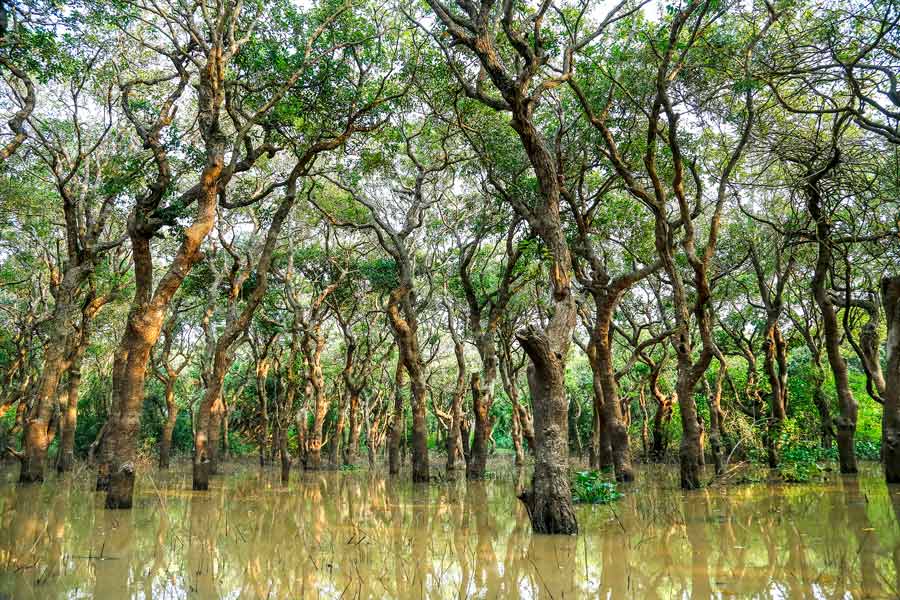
<point>890,432</point>
<point>105,455</point>
<point>142,330</point>
<point>601,446</point>
<point>214,448</point>
<point>204,438</point>
<point>549,498</point>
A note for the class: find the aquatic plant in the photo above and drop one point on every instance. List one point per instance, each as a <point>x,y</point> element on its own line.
<point>589,487</point>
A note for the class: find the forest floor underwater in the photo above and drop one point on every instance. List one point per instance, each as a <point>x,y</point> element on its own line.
<point>361,534</point>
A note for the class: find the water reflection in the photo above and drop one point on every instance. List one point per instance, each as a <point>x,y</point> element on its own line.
<point>360,535</point>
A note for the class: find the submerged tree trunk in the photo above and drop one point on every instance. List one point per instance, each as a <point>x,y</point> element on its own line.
<point>549,499</point>
<point>142,330</point>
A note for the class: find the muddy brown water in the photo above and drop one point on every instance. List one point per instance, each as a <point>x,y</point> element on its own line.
<point>362,535</point>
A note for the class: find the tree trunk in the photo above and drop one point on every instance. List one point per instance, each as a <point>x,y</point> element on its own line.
<point>142,330</point>
<point>70,416</point>
<point>477,463</point>
<point>690,449</point>
<point>165,445</point>
<point>517,438</point>
<point>613,424</point>
<point>405,326</point>
<point>890,432</point>
<point>262,373</point>
<point>397,424</point>
<point>354,426</point>
<point>52,370</point>
<point>456,411</point>
<point>105,456</point>
<point>660,433</point>
<point>775,365</point>
<point>284,455</point>
<point>527,428</point>
<point>716,418</point>
<point>205,438</point>
<point>645,430</point>
<point>507,375</point>
<point>482,400</point>
<point>313,345</point>
<point>848,409</point>
<point>215,434</point>
<point>549,498</point>
<point>337,437</point>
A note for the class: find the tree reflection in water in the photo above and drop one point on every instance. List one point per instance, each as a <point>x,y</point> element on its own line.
<point>362,535</point>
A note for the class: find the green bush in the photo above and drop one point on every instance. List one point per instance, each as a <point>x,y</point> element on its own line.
<point>799,464</point>
<point>589,487</point>
<point>868,449</point>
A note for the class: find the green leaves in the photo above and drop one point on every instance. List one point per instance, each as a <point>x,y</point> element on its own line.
<point>589,487</point>
<point>381,273</point>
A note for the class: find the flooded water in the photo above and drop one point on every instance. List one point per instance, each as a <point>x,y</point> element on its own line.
<point>361,535</point>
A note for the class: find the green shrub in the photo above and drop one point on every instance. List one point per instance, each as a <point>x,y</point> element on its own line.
<point>868,449</point>
<point>799,464</point>
<point>589,487</point>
